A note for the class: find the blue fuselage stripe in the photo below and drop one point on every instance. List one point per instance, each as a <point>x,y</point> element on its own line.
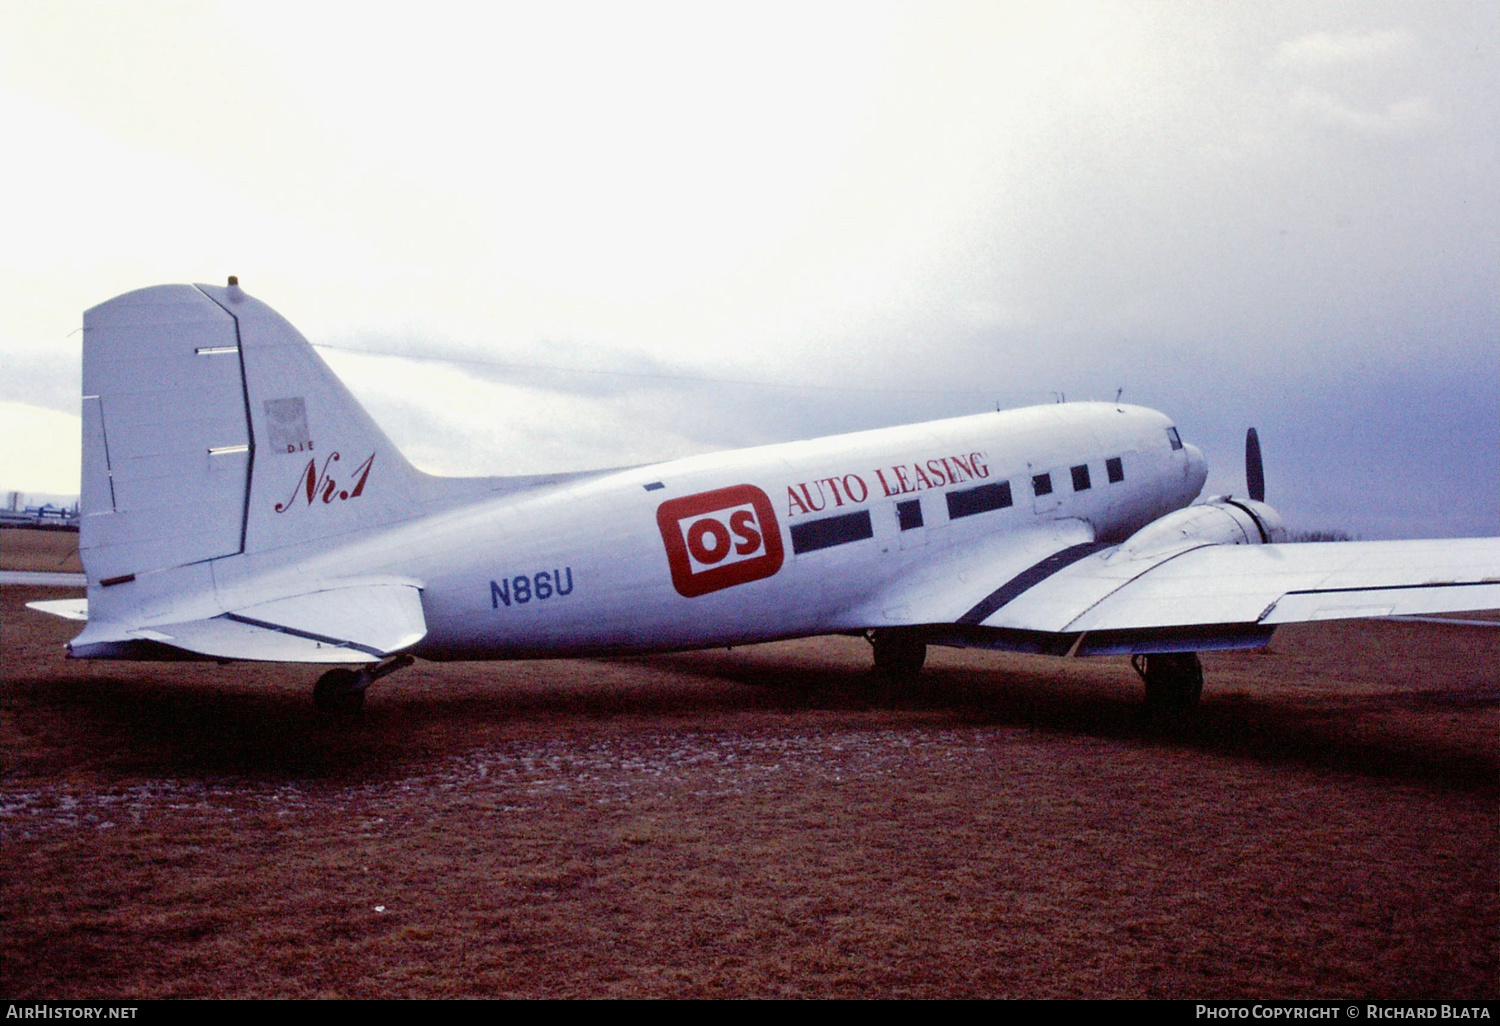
<point>1030,577</point>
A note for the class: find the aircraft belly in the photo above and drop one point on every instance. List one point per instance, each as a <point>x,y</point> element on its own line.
<point>601,612</point>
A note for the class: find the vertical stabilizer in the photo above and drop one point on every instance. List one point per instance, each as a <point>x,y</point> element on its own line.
<point>320,467</point>
<point>211,428</point>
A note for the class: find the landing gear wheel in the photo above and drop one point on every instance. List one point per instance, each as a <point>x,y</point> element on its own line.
<point>338,691</point>
<point>1174,681</point>
<point>898,657</point>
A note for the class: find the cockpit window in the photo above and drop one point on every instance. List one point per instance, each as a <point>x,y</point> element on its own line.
<point>1174,438</point>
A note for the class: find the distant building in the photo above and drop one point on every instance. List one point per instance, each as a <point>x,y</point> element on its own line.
<point>50,511</point>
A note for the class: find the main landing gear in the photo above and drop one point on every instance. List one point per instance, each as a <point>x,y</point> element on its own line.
<point>343,691</point>
<point>898,655</point>
<point>1174,681</point>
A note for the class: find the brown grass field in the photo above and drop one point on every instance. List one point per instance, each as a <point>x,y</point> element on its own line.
<point>47,551</point>
<point>753,823</point>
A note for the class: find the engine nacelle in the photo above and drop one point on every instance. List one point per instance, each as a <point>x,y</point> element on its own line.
<point>1221,520</point>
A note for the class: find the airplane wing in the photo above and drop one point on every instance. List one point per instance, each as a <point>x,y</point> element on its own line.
<point>1102,600</point>
<point>356,623</point>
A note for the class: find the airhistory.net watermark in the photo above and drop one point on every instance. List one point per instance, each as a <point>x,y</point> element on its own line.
<point>38,1010</point>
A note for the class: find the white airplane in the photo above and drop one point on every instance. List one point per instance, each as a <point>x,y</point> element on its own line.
<point>239,504</point>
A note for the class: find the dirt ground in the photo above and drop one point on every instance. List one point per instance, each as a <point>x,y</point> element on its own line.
<point>754,823</point>
<point>52,551</point>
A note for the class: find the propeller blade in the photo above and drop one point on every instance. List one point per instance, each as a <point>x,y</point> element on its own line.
<point>1255,474</point>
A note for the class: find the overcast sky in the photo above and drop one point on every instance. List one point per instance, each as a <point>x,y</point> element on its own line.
<point>590,234</point>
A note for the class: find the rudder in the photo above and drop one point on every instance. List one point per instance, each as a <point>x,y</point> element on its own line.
<point>166,437</point>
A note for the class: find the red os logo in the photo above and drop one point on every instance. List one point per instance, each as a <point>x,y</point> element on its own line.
<point>720,538</point>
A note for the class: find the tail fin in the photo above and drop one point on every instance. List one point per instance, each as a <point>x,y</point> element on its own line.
<point>212,428</point>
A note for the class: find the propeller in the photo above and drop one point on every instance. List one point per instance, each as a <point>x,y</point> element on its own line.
<point>1255,473</point>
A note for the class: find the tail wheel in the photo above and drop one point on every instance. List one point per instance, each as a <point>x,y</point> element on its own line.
<point>339,691</point>
<point>898,657</point>
<point>1174,681</point>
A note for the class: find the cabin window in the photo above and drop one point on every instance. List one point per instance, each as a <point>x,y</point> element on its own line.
<point>830,531</point>
<point>909,514</point>
<point>1115,469</point>
<point>1081,478</point>
<point>1041,484</point>
<point>969,501</point>
<point>1174,438</point>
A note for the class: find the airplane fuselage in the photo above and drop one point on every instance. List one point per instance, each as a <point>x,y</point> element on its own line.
<point>770,542</point>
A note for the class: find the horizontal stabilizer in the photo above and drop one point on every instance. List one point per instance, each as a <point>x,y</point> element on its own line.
<point>68,609</point>
<point>361,623</point>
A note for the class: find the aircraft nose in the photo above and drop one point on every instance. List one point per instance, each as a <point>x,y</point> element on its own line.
<point>1197,468</point>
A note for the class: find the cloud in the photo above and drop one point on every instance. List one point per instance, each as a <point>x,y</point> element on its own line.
<point>1359,82</point>
<point>1398,118</point>
<point>1322,50</point>
<point>913,211</point>
<point>449,421</point>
